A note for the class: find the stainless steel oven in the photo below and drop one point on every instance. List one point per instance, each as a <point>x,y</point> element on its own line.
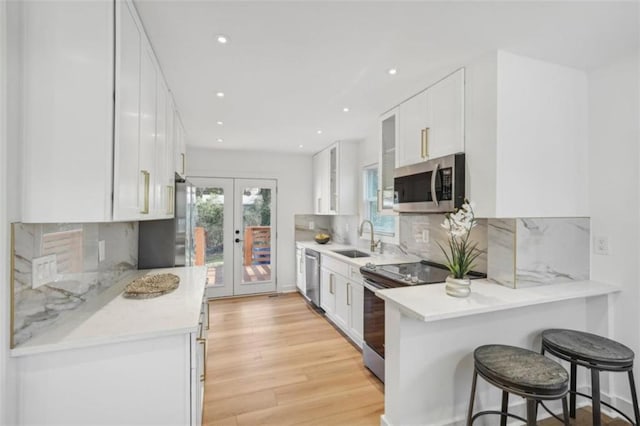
<point>380,277</point>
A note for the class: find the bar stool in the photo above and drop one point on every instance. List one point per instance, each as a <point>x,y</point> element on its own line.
<point>596,353</point>
<point>521,372</point>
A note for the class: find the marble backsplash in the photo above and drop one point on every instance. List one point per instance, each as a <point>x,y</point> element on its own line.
<point>533,251</point>
<point>342,228</point>
<point>80,276</point>
<point>421,233</point>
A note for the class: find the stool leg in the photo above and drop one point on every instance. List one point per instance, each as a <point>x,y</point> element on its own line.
<point>572,394</point>
<point>473,396</point>
<point>634,397</point>
<point>565,411</point>
<point>531,412</point>
<point>505,407</point>
<point>595,395</point>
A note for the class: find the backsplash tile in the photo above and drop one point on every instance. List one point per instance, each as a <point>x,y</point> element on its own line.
<point>421,233</point>
<point>80,276</point>
<point>541,250</point>
<point>342,228</point>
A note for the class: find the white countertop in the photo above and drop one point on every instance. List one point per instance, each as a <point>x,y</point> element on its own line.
<point>114,318</point>
<point>431,303</point>
<point>375,258</point>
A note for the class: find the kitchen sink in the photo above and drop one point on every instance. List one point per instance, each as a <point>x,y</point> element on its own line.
<point>351,253</point>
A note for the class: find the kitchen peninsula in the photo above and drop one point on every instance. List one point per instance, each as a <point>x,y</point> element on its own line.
<point>430,340</point>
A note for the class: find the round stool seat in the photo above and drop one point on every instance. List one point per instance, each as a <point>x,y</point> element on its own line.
<point>587,347</point>
<point>521,370</point>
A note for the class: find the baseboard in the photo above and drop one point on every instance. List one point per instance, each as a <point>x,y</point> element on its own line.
<point>288,289</point>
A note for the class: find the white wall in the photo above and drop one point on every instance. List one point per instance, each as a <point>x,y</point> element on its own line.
<point>294,175</point>
<point>9,195</point>
<point>614,136</point>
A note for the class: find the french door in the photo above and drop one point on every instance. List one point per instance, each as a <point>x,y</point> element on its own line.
<point>235,234</point>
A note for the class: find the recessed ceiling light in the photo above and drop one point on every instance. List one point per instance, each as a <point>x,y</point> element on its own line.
<point>222,39</point>
<point>345,109</point>
<point>220,123</point>
<point>300,146</point>
<point>392,71</point>
<point>220,94</point>
<point>220,140</point>
<point>319,132</point>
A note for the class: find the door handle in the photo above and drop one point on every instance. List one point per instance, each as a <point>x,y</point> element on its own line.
<point>433,184</point>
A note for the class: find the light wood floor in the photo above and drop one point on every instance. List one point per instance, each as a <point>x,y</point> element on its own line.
<point>273,360</point>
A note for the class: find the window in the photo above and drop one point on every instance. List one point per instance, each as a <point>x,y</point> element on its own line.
<point>382,224</point>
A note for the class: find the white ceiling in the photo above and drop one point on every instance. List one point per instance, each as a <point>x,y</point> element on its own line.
<point>290,67</point>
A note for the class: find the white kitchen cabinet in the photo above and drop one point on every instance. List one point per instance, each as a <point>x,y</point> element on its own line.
<point>526,127</point>
<point>345,297</point>
<point>301,279</point>
<point>327,291</point>
<point>432,121</point>
<point>387,160</point>
<point>335,179</point>
<point>157,380</point>
<point>90,150</point>
<point>180,154</point>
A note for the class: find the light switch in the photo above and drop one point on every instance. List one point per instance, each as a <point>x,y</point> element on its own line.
<point>601,245</point>
<point>101,251</point>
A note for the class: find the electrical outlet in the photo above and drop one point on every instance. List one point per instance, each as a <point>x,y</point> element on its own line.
<point>601,245</point>
<point>101,251</point>
<point>312,225</point>
<point>43,270</point>
<point>425,236</point>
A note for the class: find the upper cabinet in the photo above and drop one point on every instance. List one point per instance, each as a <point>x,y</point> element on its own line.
<point>98,144</point>
<point>431,123</point>
<point>335,179</point>
<point>388,160</point>
<point>526,133</point>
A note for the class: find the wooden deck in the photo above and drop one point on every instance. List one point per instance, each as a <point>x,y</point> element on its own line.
<point>253,273</point>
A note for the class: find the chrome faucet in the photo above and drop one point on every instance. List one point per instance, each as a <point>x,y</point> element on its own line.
<point>374,244</point>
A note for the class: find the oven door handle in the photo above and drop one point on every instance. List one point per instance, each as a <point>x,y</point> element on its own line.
<point>373,286</point>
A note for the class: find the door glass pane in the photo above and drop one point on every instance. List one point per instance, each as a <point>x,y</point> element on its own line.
<point>256,221</point>
<point>209,233</point>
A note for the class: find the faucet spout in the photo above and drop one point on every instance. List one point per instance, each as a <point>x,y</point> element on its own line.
<point>374,243</point>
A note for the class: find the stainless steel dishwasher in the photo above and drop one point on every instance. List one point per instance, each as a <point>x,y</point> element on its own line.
<point>312,266</point>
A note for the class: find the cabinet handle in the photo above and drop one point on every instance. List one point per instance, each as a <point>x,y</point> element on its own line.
<point>170,201</point>
<point>331,290</point>
<point>183,161</point>
<point>147,176</point>
<point>207,313</point>
<point>348,294</point>
<point>203,342</point>
<point>319,205</point>
<point>424,152</point>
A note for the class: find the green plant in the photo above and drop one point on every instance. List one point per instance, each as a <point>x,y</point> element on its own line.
<point>462,253</point>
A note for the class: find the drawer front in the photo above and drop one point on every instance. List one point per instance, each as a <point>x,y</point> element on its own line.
<point>354,274</point>
<point>335,265</point>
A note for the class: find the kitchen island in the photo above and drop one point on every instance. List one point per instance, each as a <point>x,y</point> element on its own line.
<point>430,338</point>
<point>120,360</point>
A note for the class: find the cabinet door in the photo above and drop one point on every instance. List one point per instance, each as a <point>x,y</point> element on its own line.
<point>342,297</point>
<point>413,119</point>
<point>148,93</point>
<point>164,181</point>
<point>327,291</point>
<point>126,178</point>
<point>356,311</point>
<point>317,182</point>
<point>67,78</point>
<point>333,180</point>
<point>446,116</point>
<point>388,160</point>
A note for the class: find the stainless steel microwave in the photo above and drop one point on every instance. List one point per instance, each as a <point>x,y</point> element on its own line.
<point>433,186</point>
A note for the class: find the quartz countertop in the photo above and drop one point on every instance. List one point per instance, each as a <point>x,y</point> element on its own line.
<point>375,258</point>
<point>114,318</point>
<point>431,303</point>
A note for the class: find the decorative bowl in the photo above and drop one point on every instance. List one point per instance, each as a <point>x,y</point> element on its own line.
<point>322,238</point>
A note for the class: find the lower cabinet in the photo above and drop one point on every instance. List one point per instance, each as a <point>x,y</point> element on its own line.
<point>342,298</point>
<point>301,278</point>
<point>156,380</point>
